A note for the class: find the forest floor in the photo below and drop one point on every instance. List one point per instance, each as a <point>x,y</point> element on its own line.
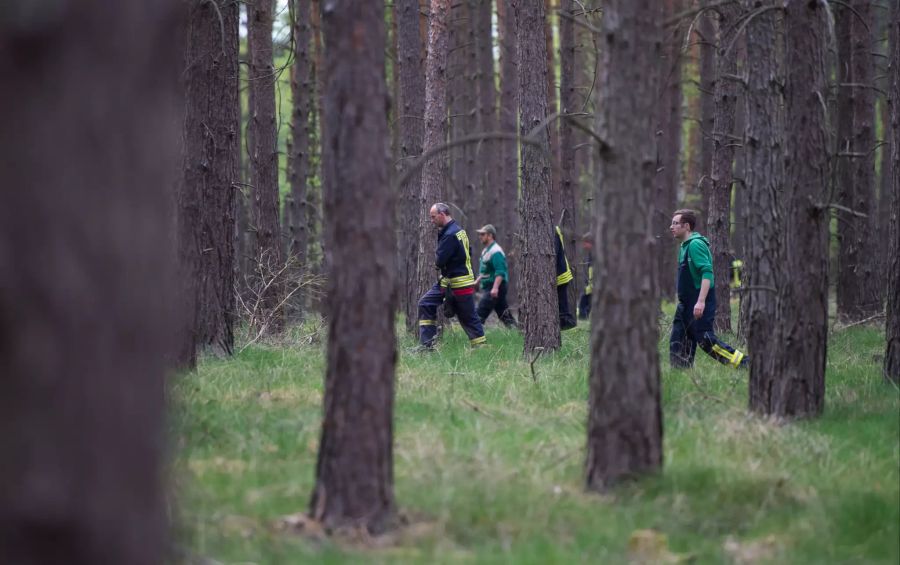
<point>488,462</point>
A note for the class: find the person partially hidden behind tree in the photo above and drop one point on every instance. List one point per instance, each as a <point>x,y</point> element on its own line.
<point>454,261</point>
<point>564,278</point>
<point>493,275</point>
<point>696,310</point>
<point>584,303</point>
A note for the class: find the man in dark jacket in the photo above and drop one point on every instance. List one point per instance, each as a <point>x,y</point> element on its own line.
<point>453,258</point>
<point>696,310</point>
<point>564,278</point>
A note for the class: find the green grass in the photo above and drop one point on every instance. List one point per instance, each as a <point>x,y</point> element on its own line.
<point>488,463</point>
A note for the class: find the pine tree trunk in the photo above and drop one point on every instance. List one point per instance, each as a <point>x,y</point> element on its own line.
<point>708,62</point>
<point>354,471</point>
<point>625,415</point>
<point>668,145</point>
<point>568,187</point>
<point>210,175</point>
<point>262,140</point>
<point>301,97</point>
<point>803,308</point>
<point>539,303</point>
<point>90,140</point>
<point>509,150</point>
<point>765,262</point>
<point>892,327</point>
<point>719,218</point>
<point>489,202</point>
<point>434,171</point>
<point>412,112</point>
<point>552,106</point>
<point>461,102</point>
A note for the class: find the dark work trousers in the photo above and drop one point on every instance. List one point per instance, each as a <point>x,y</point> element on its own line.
<point>566,320</point>
<point>688,333</point>
<point>584,307</point>
<point>464,305</point>
<point>488,304</point>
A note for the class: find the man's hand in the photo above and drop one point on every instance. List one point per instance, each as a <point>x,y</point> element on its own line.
<point>699,307</point>
<point>495,292</point>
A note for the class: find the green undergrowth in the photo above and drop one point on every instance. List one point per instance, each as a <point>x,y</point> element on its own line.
<point>488,462</point>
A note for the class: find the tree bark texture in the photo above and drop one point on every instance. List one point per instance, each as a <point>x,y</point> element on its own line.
<point>765,265</point>
<point>624,413</point>
<point>719,218</point>
<point>539,302</point>
<point>461,99</point>
<point>552,106</point>
<point>262,140</point>
<point>709,32</point>
<point>89,285</point>
<point>302,94</point>
<point>434,170</point>
<point>803,308</point>
<point>410,122</point>
<point>206,220</point>
<point>892,327</point>
<point>488,193</point>
<point>354,471</point>
<point>569,104</point>
<point>857,280</point>
<point>668,143</point>
<point>508,183</point>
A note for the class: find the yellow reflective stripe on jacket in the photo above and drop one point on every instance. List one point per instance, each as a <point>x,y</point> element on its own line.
<point>468,279</point>
<point>567,276</point>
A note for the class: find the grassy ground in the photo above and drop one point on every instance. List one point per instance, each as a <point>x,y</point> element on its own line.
<point>488,463</point>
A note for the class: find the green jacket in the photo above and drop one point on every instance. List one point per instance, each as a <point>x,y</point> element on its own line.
<point>699,259</point>
<point>493,264</point>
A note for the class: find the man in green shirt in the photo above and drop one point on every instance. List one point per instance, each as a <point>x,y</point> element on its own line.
<point>493,275</point>
<point>696,310</point>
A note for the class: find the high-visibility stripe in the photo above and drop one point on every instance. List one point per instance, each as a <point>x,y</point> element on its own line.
<point>478,340</point>
<point>461,281</point>
<point>427,322</point>
<point>723,352</point>
<point>738,357</point>
<point>567,274</point>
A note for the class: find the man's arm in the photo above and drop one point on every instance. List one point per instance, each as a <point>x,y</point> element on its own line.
<point>445,248</point>
<point>495,291</point>
<point>700,307</point>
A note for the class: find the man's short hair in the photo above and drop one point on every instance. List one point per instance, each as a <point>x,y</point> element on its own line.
<point>688,217</point>
<point>441,208</point>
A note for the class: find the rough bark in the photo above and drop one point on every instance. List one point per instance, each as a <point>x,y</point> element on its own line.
<point>892,327</point>
<point>568,174</point>
<point>86,332</point>
<point>708,62</point>
<point>488,194</point>
<point>719,217</point>
<point>856,284</point>
<point>461,95</point>
<point>539,303</point>
<point>553,106</point>
<point>625,415</point>
<point>434,171</point>
<point>298,209</point>
<point>354,471</point>
<point>318,152</point>
<point>668,144</point>
<point>765,264</point>
<point>262,143</point>
<point>206,221</point>
<point>799,390</point>
<point>509,151</point>
<point>410,123</point>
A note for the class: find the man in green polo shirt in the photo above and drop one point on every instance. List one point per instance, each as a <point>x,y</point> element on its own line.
<point>493,277</point>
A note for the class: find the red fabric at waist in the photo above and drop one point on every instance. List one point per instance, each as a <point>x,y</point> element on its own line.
<point>464,291</point>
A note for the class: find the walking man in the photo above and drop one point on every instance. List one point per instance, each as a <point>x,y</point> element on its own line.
<point>454,261</point>
<point>696,310</point>
<point>493,275</point>
<point>564,278</point>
